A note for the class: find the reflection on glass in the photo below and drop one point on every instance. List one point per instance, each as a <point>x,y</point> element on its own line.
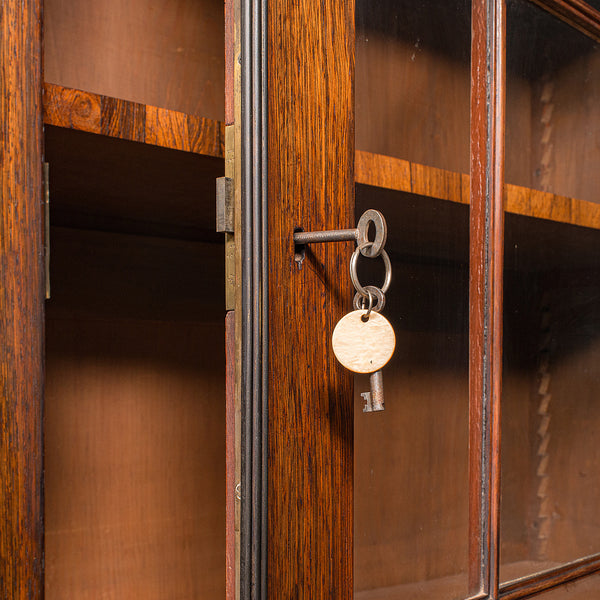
<point>553,105</point>
<point>413,80</point>
<point>410,473</point>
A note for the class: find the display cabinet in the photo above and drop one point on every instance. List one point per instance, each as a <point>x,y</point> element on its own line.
<point>174,421</point>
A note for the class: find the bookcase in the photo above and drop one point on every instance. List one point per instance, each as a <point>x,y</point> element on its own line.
<point>472,125</point>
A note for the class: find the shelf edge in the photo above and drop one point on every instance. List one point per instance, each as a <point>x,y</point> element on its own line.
<point>93,113</point>
<point>391,173</point>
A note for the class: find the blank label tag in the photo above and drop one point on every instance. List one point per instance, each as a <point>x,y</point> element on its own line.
<point>363,346</point>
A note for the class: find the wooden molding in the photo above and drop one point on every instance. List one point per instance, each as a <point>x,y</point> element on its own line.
<point>534,584</point>
<point>577,13</point>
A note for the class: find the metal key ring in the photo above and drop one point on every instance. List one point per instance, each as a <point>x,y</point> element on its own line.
<point>359,300</point>
<point>374,249</point>
<point>354,277</point>
<point>366,316</point>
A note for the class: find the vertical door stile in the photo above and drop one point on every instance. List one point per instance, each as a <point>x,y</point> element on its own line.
<point>310,49</point>
<point>22,294</point>
<point>485,292</point>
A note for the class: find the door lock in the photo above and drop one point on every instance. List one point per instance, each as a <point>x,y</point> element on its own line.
<point>363,340</point>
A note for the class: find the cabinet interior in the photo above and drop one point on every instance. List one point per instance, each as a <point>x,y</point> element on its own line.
<point>166,53</point>
<point>411,461</point>
<point>135,370</point>
<point>135,357</point>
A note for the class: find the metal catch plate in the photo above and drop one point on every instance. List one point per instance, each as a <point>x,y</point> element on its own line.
<point>225,210</point>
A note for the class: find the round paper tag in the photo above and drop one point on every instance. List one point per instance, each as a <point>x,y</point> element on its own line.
<point>363,346</point>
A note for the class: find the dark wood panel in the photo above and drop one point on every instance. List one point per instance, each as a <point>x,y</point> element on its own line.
<point>84,111</point>
<point>135,458</point>
<point>107,275</point>
<point>135,419</point>
<point>561,69</point>
<point>166,53</point>
<point>311,182</point>
<point>566,112</point>
<point>412,81</point>
<point>21,301</point>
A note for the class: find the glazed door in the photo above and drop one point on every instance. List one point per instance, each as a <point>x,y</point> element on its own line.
<point>406,108</point>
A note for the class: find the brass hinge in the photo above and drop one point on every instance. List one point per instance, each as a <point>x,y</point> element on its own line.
<point>46,211</point>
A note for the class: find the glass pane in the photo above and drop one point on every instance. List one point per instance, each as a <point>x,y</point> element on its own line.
<point>553,105</point>
<point>550,449</point>
<point>410,461</point>
<point>413,80</point>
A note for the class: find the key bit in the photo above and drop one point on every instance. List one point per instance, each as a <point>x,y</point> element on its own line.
<point>374,399</point>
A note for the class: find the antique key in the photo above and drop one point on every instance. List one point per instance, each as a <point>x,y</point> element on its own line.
<point>364,340</point>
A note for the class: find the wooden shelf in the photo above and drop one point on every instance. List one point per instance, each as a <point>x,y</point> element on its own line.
<point>93,113</point>
<point>404,176</point>
<point>121,119</point>
<point>164,186</point>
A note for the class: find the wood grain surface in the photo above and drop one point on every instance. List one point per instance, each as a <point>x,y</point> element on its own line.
<point>311,183</point>
<point>165,53</point>
<point>405,176</point>
<point>135,459</point>
<point>84,111</point>
<point>21,301</point>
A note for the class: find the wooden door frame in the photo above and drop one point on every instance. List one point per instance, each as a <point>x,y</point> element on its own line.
<point>22,294</point>
<point>488,81</point>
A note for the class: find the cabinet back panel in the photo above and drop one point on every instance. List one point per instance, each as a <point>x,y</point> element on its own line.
<point>135,419</point>
<point>166,53</point>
